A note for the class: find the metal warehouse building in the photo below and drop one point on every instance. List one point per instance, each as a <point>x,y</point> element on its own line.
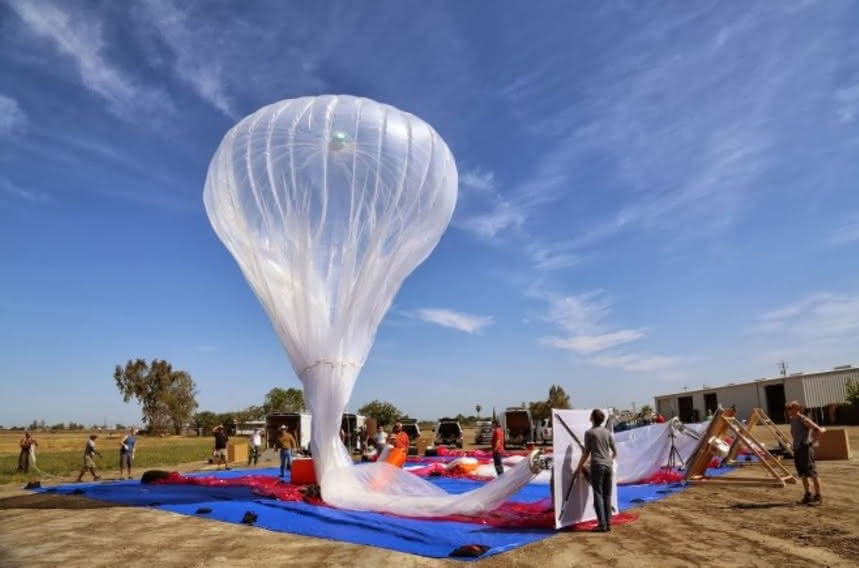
<point>813,390</point>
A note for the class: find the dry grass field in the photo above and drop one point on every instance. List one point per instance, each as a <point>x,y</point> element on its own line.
<point>60,454</point>
<point>701,526</point>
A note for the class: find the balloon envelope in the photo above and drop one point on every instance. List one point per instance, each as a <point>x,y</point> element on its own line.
<point>327,204</point>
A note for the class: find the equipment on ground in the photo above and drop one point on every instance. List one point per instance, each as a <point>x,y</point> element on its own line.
<point>712,445</point>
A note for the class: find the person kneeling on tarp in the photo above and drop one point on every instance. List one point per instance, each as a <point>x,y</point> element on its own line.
<point>600,448</point>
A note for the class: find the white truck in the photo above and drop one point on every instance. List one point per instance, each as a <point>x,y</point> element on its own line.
<point>298,422</point>
<point>544,431</point>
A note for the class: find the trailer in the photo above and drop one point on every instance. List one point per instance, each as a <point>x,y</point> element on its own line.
<point>298,422</point>
<point>352,425</point>
<point>518,427</point>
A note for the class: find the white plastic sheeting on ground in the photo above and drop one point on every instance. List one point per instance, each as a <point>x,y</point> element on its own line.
<point>327,204</point>
<point>643,451</point>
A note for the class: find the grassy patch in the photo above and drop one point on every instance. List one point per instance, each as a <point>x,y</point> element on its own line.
<point>55,458</point>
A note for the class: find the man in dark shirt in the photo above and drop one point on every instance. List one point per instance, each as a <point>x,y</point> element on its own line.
<point>220,447</point>
<point>600,448</point>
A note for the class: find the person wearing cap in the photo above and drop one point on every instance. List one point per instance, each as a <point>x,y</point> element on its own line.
<point>286,443</point>
<point>805,433</point>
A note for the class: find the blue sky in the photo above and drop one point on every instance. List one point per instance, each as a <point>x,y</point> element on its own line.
<point>652,195</point>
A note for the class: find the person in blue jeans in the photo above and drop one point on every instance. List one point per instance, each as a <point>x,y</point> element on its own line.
<point>286,442</point>
<point>600,448</point>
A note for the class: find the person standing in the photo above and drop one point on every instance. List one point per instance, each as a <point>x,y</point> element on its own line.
<point>127,451</point>
<point>401,439</point>
<point>805,434</point>
<point>286,442</point>
<point>600,448</point>
<point>381,439</point>
<point>89,459</point>
<point>497,446</point>
<point>27,444</point>
<point>255,443</point>
<point>220,453</point>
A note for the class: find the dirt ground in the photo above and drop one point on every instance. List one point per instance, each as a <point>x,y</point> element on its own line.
<point>701,526</point>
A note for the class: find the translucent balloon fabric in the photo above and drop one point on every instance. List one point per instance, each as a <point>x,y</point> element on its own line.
<point>327,204</point>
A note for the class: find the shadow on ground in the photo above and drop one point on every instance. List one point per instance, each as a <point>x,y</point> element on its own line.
<point>759,505</point>
<point>52,501</point>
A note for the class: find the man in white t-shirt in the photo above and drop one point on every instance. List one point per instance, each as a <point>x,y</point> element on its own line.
<point>255,445</point>
<point>381,438</point>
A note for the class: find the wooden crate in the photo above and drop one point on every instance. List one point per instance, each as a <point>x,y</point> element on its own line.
<point>237,452</point>
<point>834,445</point>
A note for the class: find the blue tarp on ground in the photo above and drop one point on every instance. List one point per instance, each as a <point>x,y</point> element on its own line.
<point>423,537</point>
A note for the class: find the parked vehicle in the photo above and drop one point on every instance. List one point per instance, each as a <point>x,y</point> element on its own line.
<point>299,423</point>
<point>518,427</point>
<point>483,432</point>
<point>544,431</point>
<point>448,432</point>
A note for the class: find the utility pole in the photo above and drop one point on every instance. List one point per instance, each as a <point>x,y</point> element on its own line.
<point>782,367</point>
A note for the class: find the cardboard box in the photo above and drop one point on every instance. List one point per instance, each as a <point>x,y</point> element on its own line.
<point>834,445</point>
<point>237,452</point>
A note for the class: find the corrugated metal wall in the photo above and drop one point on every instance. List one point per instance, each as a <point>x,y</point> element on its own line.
<point>827,389</point>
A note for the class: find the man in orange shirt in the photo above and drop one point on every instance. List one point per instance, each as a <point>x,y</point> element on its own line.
<point>401,439</point>
<point>497,446</point>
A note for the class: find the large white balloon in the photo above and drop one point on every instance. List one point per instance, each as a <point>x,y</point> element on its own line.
<point>327,204</point>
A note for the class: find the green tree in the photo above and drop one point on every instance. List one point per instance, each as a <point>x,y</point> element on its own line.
<point>384,412</point>
<point>284,400</point>
<point>540,409</point>
<point>478,408</point>
<point>853,392</point>
<point>558,398</point>
<point>205,420</point>
<point>180,401</point>
<point>167,396</point>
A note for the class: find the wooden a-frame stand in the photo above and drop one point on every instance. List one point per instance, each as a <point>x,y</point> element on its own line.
<point>758,416</point>
<point>723,423</point>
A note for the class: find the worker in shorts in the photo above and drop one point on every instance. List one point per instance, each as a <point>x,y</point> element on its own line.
<point>220,453</point>
<point>89,459</point>
<point>805,434</point>
<point>127,451</point>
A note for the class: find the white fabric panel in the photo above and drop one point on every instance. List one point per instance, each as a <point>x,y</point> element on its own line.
<point>578,505</point>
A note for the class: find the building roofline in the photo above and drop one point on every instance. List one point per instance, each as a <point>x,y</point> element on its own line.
<point>761,381</point>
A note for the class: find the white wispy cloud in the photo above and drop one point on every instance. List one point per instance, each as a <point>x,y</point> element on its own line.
<point>504,215</point>
<point>847,100</point>
<point>820,315</point>
<point>193,62</point>
<point>9,188</point>
<point>847,233</point>
<point>552,256</point>
<point>12,116</point>
<point>79,36</point>
<point>685,136</point>
<point>587,344</point>
<point>640,363</point>
<point>478,179</point>
<point>582,319</point>
<point>468,323</point>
